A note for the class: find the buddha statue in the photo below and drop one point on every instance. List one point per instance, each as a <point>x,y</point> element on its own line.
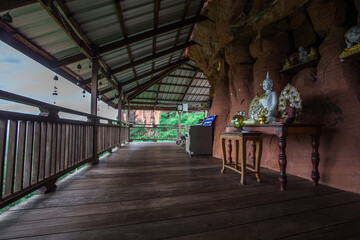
<point>352,36</point>
<point>267,103</point>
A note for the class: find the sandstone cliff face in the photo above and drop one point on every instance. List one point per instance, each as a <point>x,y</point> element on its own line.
<point>249,38</point>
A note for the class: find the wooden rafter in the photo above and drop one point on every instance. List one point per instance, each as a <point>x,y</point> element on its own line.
<point>177,93</point>
<point>192,29</point>
<point>188,77</point>
<point>151,57</point>
<point>83,43</point>
<point>169,100</point>
<point>120,16</point>
<point>139,89</point>
<point>133,39</point>
<point>147,74</point>
<point>188,87</point>
<point>148,84</point>
<point>105,69</point>
<point>8,5</point>
<point>156,23</point>
<point>182,85</point>
<point>149,34</point>
<point>163,108</point>
<point>188,2</point>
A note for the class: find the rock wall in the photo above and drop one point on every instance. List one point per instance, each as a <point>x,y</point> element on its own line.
<point>246,39</point>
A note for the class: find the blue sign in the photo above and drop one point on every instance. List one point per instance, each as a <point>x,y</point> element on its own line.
<point>209,120</point>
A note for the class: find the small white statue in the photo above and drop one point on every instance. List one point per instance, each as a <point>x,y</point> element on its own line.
<point>302,54</point>
<point>267,104</point>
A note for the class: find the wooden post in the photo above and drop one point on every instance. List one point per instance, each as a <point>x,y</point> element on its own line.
<point>179,126</point>
<point>128,119</point>
<point>94,99</point>
<point>119,115</point>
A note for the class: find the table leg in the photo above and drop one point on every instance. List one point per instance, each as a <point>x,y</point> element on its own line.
<point>228,151</point>
<point>252,151</point>
<point>223,154</point>
<point>315,158</point>
<point>282,163</point>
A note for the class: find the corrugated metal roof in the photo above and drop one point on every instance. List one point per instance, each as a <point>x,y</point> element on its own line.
<point>124,51</point>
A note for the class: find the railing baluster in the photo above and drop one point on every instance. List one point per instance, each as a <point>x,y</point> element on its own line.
<point>3,131</point>
<point>48,153</point>
<point>53,149</point>
<point>71,145</point>
<point>63,146</point>
<point>29,153</point>
<point>42,151</point>
<point>20,156</point>
<point>11,158</point>
<point>67,143</point>
<point>35,173</point>
<point>58,148</point>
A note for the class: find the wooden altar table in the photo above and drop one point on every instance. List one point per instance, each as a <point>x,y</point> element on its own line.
<point>282,131</point>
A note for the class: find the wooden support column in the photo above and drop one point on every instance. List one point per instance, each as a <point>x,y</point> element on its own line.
<point>94,95</point>
<point>119,115</point>
<point>128,118</point>
<point>179,126</point>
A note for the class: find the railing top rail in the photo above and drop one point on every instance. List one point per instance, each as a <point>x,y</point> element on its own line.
<point>46,106</point>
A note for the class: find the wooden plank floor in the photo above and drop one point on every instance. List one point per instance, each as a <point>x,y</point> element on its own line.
<point>156,191</point>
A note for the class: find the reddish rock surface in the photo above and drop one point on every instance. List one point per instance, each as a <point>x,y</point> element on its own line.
<point>330,90</point>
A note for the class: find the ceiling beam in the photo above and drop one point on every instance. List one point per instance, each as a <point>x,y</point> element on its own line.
<point>8,5</point>
<point>148,84</point>
<point>145,74</point>
<point>151,57</point>
<point>177,93</point>
<point>133,39</point>
<point>188,77</point>
<point>151,33</point>
<point>183,60</point>
<point>192,80</point>
<point>84,43</point>
<point>182,85</point>
<point>120,16</point>
<point>160,108</point>
<point>169,100</point>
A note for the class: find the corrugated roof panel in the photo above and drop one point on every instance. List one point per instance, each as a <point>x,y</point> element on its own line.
<point>138,16</point>
<point>125,75</point>
<point>165,44</point>
<point>200,83</point>
<point>171,11</point>
<point>176,57</point>
<point>111,94</point>
<point>145,79</point>
<point>162,61</point>
<point>153,87</point>
<point>166,35</point>
<point>193,8</point>
<point>116,58</point>
<point>36,24</point>
<point>97,19</point>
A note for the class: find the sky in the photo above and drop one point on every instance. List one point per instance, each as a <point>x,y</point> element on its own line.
<point>21,75</point>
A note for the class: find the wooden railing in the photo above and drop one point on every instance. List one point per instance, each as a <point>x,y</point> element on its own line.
<point>149,132</point>
<point>35,150</point>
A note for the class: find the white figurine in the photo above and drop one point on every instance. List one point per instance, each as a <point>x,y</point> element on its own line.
<point>268,103</point>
